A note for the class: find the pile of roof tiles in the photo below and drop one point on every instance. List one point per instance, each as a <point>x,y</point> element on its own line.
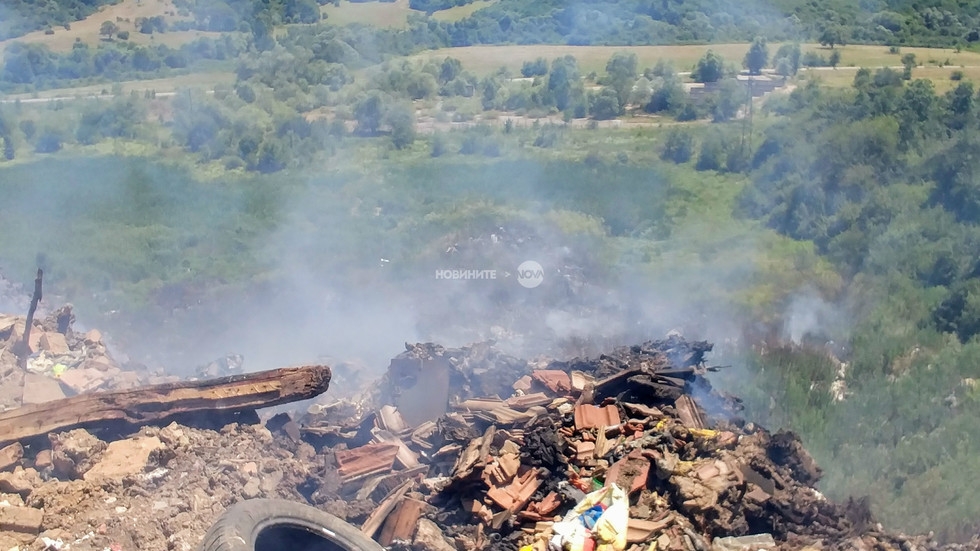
<point>501,453</point>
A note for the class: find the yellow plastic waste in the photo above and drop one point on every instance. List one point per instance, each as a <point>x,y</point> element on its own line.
<point>58,369</point>
<point>704,433</point>
<point>660,425</point>
<point>610,529</point>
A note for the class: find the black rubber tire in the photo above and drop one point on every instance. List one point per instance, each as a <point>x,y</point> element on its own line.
<point>278,524</point>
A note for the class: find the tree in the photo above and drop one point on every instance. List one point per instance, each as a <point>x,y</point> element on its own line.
<point>489,92</point>
<point>729,97</point>
<point>621,75</point>
<point>369,112</point>
<point>710,68</point>
<point>8,148</point>
<point>449,70</point>
<point>908,62</point>
<point>272,155</point>
<point>960,106</point>
<point>787,59</point>
<point>48,142</point>
<point>834,58</point>
<point>605,105</point>
<point>712,154</point>
<point>401,119</point>
<point>564,82</point>
<point>536,68</point>
<point>679,147</point>
<point>108,29</point>
<point>668,97</point>
<point>831,36</point>
<point>757,57</point>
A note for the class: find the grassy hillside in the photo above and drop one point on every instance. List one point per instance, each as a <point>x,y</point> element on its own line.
<point>124,15</point>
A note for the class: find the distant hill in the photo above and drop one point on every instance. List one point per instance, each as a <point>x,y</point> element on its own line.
<point>937,23</point>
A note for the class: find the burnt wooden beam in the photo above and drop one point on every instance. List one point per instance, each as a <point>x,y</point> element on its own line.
<point>22,349</point>
<point>163,403</point>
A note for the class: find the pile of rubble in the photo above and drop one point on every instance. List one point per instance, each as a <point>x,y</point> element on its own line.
<point>58,362</point>
<point>453,449</point>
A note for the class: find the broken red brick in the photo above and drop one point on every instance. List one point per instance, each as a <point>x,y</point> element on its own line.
<point>588,416</point>
<point>515,495</point>
<point>366,460</point>
<point>630,472</point>
<point>555,380</point>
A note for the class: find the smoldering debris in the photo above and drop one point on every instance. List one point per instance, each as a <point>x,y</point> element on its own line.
<point>452,448</point>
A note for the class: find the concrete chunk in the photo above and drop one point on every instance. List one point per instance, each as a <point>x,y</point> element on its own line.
<point>82,380</point>
<point>21,481</point>
<point>54,343</point>
<point>39,389</point>
<point>24,520</point>
<point>11,456</point>
<point>124,457</point>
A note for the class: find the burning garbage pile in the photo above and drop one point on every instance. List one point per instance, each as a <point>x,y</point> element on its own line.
<point>452,449</point>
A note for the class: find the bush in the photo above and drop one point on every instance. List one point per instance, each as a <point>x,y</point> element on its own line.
<point>679,147</point>
<point>49,142</point>
<point>956,75</point>
<point>813,59</point>
<point>438,145</point>
<point>122,35</point>
<point>712,154</point>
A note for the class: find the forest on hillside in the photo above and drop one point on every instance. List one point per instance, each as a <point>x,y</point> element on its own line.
<point>630,22</point>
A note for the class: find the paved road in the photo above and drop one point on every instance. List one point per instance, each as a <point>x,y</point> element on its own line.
<point>91,96</point>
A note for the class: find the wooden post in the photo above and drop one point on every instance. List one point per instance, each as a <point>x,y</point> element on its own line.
<point>22,349</point>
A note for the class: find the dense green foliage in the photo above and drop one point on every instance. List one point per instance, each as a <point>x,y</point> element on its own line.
<point>430,6</point>
<point>882,178</point>
<point>35,66</point>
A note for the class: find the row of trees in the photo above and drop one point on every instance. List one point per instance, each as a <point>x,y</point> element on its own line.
<point>35,66</point>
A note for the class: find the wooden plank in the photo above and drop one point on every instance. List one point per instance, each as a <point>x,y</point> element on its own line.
<point>379,515</point>
<point>163,403</point>
<point>400,525</point>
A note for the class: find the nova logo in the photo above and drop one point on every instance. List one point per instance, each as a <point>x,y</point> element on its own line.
<point>530,274</point>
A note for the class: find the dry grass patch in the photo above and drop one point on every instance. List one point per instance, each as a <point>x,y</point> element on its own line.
<point>378,14</point>
<point>483,60</point>
<point>878,56</point>
<point>462,12</point>
<point>124,15</point>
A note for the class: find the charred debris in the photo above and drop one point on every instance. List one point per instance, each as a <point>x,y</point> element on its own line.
<point>452,448</point>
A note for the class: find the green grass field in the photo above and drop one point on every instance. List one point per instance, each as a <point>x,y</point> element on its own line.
<point>379,14</point>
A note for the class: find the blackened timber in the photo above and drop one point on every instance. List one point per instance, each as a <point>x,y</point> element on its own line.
<point>163,403</point>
